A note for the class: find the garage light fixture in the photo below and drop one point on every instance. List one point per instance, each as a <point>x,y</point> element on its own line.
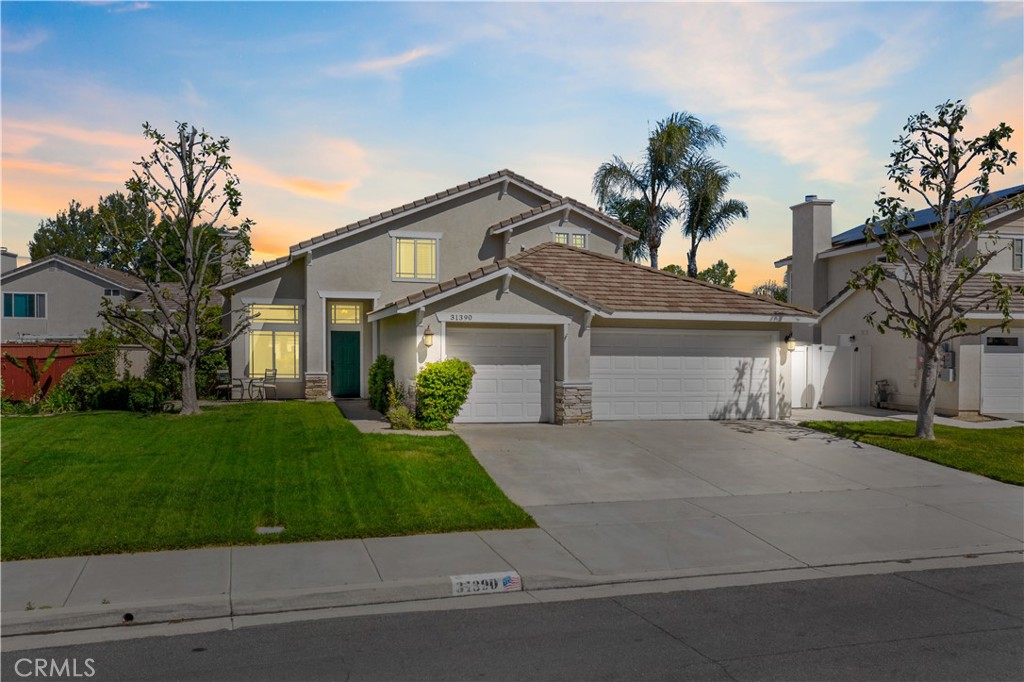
<point>790,342</point>
<point>428,337</point>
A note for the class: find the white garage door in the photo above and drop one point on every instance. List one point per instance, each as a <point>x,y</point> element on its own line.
<point>655,374</point>
<point>513,373</point>
<point>1002,377</point>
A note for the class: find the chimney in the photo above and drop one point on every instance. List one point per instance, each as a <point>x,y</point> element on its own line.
<point>812,234</point>
<point>229,245</point>
<point>8,260</point>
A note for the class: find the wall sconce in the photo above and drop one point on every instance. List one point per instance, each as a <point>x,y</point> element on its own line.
<point>790,342</point>
<point>428,337</point>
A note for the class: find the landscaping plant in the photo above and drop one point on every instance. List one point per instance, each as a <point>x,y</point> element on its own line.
<point>441,391</point>
<point>380,381</point>
<point>398,413</point>
<point>36,372</point>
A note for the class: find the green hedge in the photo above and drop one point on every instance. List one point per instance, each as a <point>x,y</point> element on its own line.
<point>441,391</point>
<point>133,395</point>
<point>382,375</point>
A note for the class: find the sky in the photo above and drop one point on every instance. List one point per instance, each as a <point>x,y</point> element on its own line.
<point>337,111</point>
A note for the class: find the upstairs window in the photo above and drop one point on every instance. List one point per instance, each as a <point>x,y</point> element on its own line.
<point>416,259</point>
<point>112,292</point>
<point>577,240</point>
<point>24,305</point>
<point>561,237</point>
<point>1018,254</point>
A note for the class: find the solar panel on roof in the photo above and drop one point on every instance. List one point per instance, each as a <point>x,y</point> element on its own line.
<point>922,218</point>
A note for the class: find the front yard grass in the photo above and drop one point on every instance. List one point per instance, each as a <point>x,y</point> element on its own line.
<point>103,482</point>
<point>995,453</point>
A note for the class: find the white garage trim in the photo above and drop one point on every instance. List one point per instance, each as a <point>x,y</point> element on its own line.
<point>1002,377</point>
<point>515,367</point>
<point>683,374</point>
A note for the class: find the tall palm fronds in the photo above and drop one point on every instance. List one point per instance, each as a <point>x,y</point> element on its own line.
<point>708,212</point>
<point>674,142</point>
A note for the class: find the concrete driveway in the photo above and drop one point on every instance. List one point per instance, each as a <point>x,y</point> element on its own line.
<point>677,497</point>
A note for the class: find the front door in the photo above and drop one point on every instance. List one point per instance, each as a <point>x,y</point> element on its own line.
<point>345,364</point>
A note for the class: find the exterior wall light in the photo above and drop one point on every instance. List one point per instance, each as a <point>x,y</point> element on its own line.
<point>428,337</point>
<point>790,342</point>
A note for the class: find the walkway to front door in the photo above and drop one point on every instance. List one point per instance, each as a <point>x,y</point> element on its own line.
<point>345,364</point>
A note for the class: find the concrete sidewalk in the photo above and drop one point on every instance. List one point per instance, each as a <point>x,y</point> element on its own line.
<point>859,414</point>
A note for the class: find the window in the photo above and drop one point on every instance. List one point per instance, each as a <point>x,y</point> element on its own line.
<point>24,305</point>
<point>415,258</point>
<point>577,240</point>
<point>272,349</point>
<point>1002,341</point>
<point>111,292</point>
<point>346,313</point>
<point>274,340</point>
<point>281,314</point>
<point>1018,254</point>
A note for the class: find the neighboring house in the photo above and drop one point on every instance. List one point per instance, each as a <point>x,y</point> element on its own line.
<point>528,286</point>
<point>842,357</point>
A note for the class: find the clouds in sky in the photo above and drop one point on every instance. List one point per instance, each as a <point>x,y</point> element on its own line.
<point>384,66</point>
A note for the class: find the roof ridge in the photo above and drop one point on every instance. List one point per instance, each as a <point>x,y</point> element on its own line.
<point>586,209</point>
<point>111,274</point>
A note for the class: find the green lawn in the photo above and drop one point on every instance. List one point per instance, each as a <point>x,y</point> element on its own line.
<point>996,453</point>
<point>106,482</point>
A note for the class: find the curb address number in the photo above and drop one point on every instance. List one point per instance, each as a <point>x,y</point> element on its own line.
<point>483,583</point>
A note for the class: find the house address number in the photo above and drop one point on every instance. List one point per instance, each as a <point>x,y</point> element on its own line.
<point>459,317</point>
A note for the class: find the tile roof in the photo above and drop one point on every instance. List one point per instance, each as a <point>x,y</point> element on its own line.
<point>253,269</point>
<point>122,279</point>
<point>504,173</point>
<point>176,293</point>
<point>609,285</point>
<point>975,290</point>
<point>564,201</point>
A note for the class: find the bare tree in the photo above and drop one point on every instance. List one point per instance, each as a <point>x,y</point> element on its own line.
<point>919,283</point>
<point>188,182</point>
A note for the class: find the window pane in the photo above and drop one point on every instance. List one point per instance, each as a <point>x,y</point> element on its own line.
<point>346,313</point>
<point>579,241</point>
<point>40,305</point>
<point>425,259</point>
<point>561,238</point>
<point>286,314</point>
<point>8,305</point>
<point>405,258</point>
<point>286,354</point>
<point>24,305</point>
<point>261,352</point>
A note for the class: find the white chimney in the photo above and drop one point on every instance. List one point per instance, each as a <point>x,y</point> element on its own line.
<point>8,260</point>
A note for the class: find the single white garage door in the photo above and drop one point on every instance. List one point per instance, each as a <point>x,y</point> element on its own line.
<point>1002,377</point>
<point>669,374</point>
<point>513,372</point>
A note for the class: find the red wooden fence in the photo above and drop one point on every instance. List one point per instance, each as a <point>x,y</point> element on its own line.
<point>17,383</point>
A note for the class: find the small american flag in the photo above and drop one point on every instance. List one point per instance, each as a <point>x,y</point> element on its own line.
<point>510,583</point>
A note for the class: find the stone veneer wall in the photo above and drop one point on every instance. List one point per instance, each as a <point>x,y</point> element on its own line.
<point>573,403</point>
<point>316,387</point>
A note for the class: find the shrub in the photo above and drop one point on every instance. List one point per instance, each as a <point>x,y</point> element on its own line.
<point>84,378</point>
<point>441,390</point>
<point>382,375</point>
<point>59,400</point>
<point>133,395</point>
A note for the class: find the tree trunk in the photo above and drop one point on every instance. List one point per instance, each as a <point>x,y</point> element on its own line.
<point>189,398</point>
<point>654,255</point>
<point>691,263</point>
<point>926,401</point>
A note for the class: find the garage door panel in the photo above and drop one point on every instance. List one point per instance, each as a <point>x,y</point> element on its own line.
<point>698,376</point>
<point>514,370</point>
<point>1002,378</point>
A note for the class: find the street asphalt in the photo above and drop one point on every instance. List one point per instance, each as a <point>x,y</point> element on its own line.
<point>954,624</point>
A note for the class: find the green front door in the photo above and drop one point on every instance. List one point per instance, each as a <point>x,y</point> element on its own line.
<point>345,364</point>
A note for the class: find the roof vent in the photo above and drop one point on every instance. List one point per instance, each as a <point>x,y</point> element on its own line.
<point>810,197</point>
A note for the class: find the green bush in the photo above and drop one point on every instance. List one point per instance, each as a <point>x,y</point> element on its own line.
<point>83,379</point>
<point>441,390</point>
<point>58,401</point>
<point>382,375</point>
<point>133,395</point>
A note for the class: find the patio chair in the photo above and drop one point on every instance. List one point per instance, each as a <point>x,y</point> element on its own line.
<point>227,385</point>
<point>268,384</point>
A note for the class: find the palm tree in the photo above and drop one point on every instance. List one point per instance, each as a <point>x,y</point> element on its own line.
<point>674,142</point>
<point>708,212</point>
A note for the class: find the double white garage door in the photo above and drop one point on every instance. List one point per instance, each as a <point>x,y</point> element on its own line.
<point>636,374</point>
<point>656,374</point>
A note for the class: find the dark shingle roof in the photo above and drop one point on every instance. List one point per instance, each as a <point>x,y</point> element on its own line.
<point>612,285</point>
<point>505,173</point>
<point>122,279</point>
<point>564,201</point>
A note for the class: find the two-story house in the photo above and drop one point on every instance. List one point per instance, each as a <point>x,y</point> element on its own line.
<point>528,286</point>
<point>840,359</point>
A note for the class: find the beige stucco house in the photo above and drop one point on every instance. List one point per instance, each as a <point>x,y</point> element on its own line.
<point>528,286</point>
<point>839,360</point>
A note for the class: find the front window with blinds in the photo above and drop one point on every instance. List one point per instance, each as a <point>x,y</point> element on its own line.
<point>346,313</point>
<point>274,340</point>
<point>416,259</point>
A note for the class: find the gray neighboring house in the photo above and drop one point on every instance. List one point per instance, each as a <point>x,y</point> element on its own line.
<point>840,358</point>
<point>531,288</point>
